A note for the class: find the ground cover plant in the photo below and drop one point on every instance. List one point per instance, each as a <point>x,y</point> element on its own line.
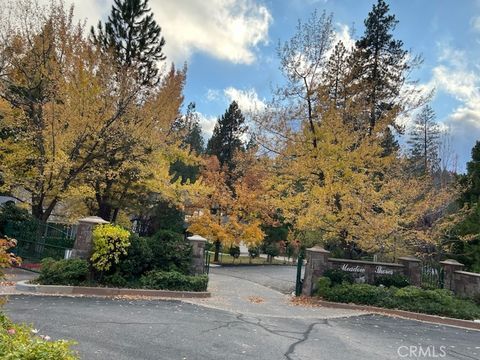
<point>411,298</point>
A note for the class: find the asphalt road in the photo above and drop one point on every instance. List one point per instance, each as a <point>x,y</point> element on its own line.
<point>277,277</point>
<point>121,330</point>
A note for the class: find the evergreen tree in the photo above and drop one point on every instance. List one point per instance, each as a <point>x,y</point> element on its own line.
<point>424,142</point>
<point>133,34</point>
<point>336,73</point>
<point>193,137</point>
<point>227,136</point>
<point>380,66</point>
<point>471,181</point>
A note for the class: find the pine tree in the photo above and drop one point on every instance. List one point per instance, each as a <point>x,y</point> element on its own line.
<point>471,181</point>
<point>193,136</point>
<point>134,36</point>
<point>424,142</point>
<point>380,65</point>
<point>335,75</point>
<point>227,136</point>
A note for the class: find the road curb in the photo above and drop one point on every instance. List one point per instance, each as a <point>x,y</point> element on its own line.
<point>24,286</point>
<point>434,319</point>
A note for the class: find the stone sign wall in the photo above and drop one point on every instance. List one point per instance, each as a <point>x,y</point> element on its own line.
<point>319,261</point>
<point>465,284</point>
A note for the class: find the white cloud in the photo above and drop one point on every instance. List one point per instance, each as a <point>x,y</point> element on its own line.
<point>207,123</point>
<point>247,100</point>
<point>344,34</point>
<point>225,29</point>
<point>475,22</point>
<point>456,78</point>
<point>213,94</point>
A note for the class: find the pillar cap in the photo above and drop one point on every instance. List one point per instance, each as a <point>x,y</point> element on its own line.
<point>197,238</point>
<point>451,262</point>
<point>318,249</point>
<point>409,258</point>
<point>93,220</point>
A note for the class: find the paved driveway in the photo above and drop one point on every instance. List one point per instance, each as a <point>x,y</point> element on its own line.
<point>144,330</point>
<point>277,277</point>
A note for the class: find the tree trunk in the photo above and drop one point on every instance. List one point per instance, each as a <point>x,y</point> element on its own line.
<point>217,251</point>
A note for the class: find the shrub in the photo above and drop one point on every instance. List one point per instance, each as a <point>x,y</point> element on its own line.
<point>396,280</point>
<point>116,280</point>
<point>7,259</point>
<point>272,250</point>
<point>109,243</point>
<point>323,284</point>
<point>436,302</point>
<point>338,276</point>
<point>173,280</point>
<point>170,251</point>
<point>138,259</point>
<point>18,342</point>
<point>234,251</point>
<point>63,272</point>
<point>253,252</point>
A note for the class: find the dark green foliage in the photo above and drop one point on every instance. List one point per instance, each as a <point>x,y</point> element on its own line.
<point>396,280</point>
<point>173,280</point>
<point>115,280</point>
<point>227,136</point>
<point>272,250</point>
<point>164,216</point>
<point>132,33</point>
<point>436,302</point>
<point>253,252</point>
<point>471,182</point>
<point>234,251</point>
<point>424,143</point>
<point>170,251</point>
<point>138,259</point>
<point>380,68</point>
<point>15,221</point>
<point>338,277</point>
<point>63,272</point>
<point>468,252</point>
<point>323,285</point>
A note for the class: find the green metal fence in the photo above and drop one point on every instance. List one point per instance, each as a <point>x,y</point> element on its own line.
<point>432,274</point>
<point>37,240</point>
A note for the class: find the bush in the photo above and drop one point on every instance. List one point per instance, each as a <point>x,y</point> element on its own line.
<point>173,280</point>
<point>116,280</point>
<point>338,277</point>
<point>170,252</point>
<point>109,243</point>
<point>234,251</point>
<point>63,272</point>
<point>272,250</point>
<point>17,342</point>
<point>323,284</point>
<point>396,280</point>
<point>138,259</point>
<point>436,302</point>
<point>253,252</point>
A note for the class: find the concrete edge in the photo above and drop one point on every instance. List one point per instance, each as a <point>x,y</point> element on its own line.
<point>24,286</point>
<point>434,319</point>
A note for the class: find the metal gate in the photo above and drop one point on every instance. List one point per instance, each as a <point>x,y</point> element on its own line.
<point>299,280</point>
<point>432,274</point>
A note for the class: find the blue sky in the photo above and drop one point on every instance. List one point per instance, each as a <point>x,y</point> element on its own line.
<point>229,46</point>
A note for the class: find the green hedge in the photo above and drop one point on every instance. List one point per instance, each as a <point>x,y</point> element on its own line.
<point>173,280</point>
<point>436,302</point>
<point>63,272</point>
<point>18,342</point>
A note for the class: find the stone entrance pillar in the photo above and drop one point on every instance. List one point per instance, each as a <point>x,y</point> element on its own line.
<point>449,268</point>
<point>317,263</point>
<point>83,247</point>
<point>412,269</point>
<point>198,254</point>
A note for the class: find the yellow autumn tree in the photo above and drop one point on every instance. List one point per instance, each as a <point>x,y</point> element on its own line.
<point>229,214</point>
